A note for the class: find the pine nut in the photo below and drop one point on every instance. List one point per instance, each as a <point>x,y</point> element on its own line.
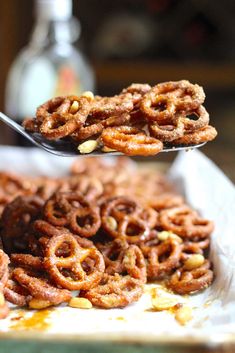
<point>194,261</point>
<point>164,235</point>
<point>88,146</point>
<point>163,303</point>
<point>81,303</point>
<point>184,314</point>
<point>39,303</point>
<point>88,94</point>
<point>74,107</point>
<point>112,223</point>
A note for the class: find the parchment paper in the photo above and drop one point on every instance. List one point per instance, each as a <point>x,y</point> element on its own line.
<point>208,190</point>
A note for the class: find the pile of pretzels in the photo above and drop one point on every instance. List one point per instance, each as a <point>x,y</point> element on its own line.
<point>104,231</point>
<point>140,120</point>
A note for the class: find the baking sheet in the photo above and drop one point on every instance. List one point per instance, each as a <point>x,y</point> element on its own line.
<point>208,190</point>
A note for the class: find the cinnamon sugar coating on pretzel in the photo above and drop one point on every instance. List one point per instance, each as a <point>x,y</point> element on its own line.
<point>130,141</point>
<point>140,120</point>
<point>185,222</point>
<point>186,282</point>
<point>115,292</point>
<point>75,276</point>
<point>105,230</point>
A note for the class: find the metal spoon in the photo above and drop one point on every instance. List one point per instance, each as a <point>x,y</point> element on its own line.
<point>67,149</point>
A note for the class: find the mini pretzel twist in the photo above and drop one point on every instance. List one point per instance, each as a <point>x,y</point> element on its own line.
<point>186,282</point>
<point>163,258</point>
<point>185,222</point>
<point>61,116</point>
<point>166,99</point>
<point>115,292</point>
<point>127,215</point>
<point>39,288</point>
<point>72,209</point>
<point>17,218</point>
<point>77,277</point>
<point>130,141</point>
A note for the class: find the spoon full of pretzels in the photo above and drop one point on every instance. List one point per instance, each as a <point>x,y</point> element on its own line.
<point>140,120</point>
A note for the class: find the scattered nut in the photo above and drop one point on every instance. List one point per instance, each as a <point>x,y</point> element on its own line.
<point>107,149</point>
<point>88,94</point>
<point>74,107</point>
<point>2,299</point>
<point>81,303</point>
<point>163,303</point>
<point>88,146</point>
<point>164,235</point>
<point>39,303</point>
<point>194,261</point>
<point>112,223</point>
<point>184,314</point>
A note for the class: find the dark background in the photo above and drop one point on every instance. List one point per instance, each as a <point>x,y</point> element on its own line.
<point>148,41</point>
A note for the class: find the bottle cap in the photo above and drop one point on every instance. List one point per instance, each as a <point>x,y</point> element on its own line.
<point>54,9</point>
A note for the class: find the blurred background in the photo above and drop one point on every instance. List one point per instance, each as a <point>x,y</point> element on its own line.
<point>107,45</point>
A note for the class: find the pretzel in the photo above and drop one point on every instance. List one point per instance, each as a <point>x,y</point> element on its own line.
<point>91,187</point>
<point>104,107</point>
<point>166,200</point>
<point>130,141</point>
<point>194,247</point>
<point>68,209</point>
<point>165,108</point>
<point>185,222</point>
<point>87,131</point>
<point>16,294</point>
<point>31,125</point>
<point>186,282</point>
<point>150,216</point>
<point>133,229</point>
<point>163,258</point>
<point>85,221</point>
<point>140,88</point>
<point>171,98</point>
<point>205,134</point>
<point>190,124</point>
<point>113,253</point>
<point>61,116</point>
<point>167,133</point>
<point>27,261</point>
<point>122,119</point>
<point>78,278</point>
<point>134,263</point>
<point>115,292</point>
<point>13,185</point>
<point>16,219</point>
<point>39,288</point>
<point>117,208</point>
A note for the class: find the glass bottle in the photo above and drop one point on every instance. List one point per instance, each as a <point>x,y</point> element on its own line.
<point>50,65</point>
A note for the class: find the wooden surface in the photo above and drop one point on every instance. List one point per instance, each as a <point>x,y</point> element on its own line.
<point>208,74</point>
